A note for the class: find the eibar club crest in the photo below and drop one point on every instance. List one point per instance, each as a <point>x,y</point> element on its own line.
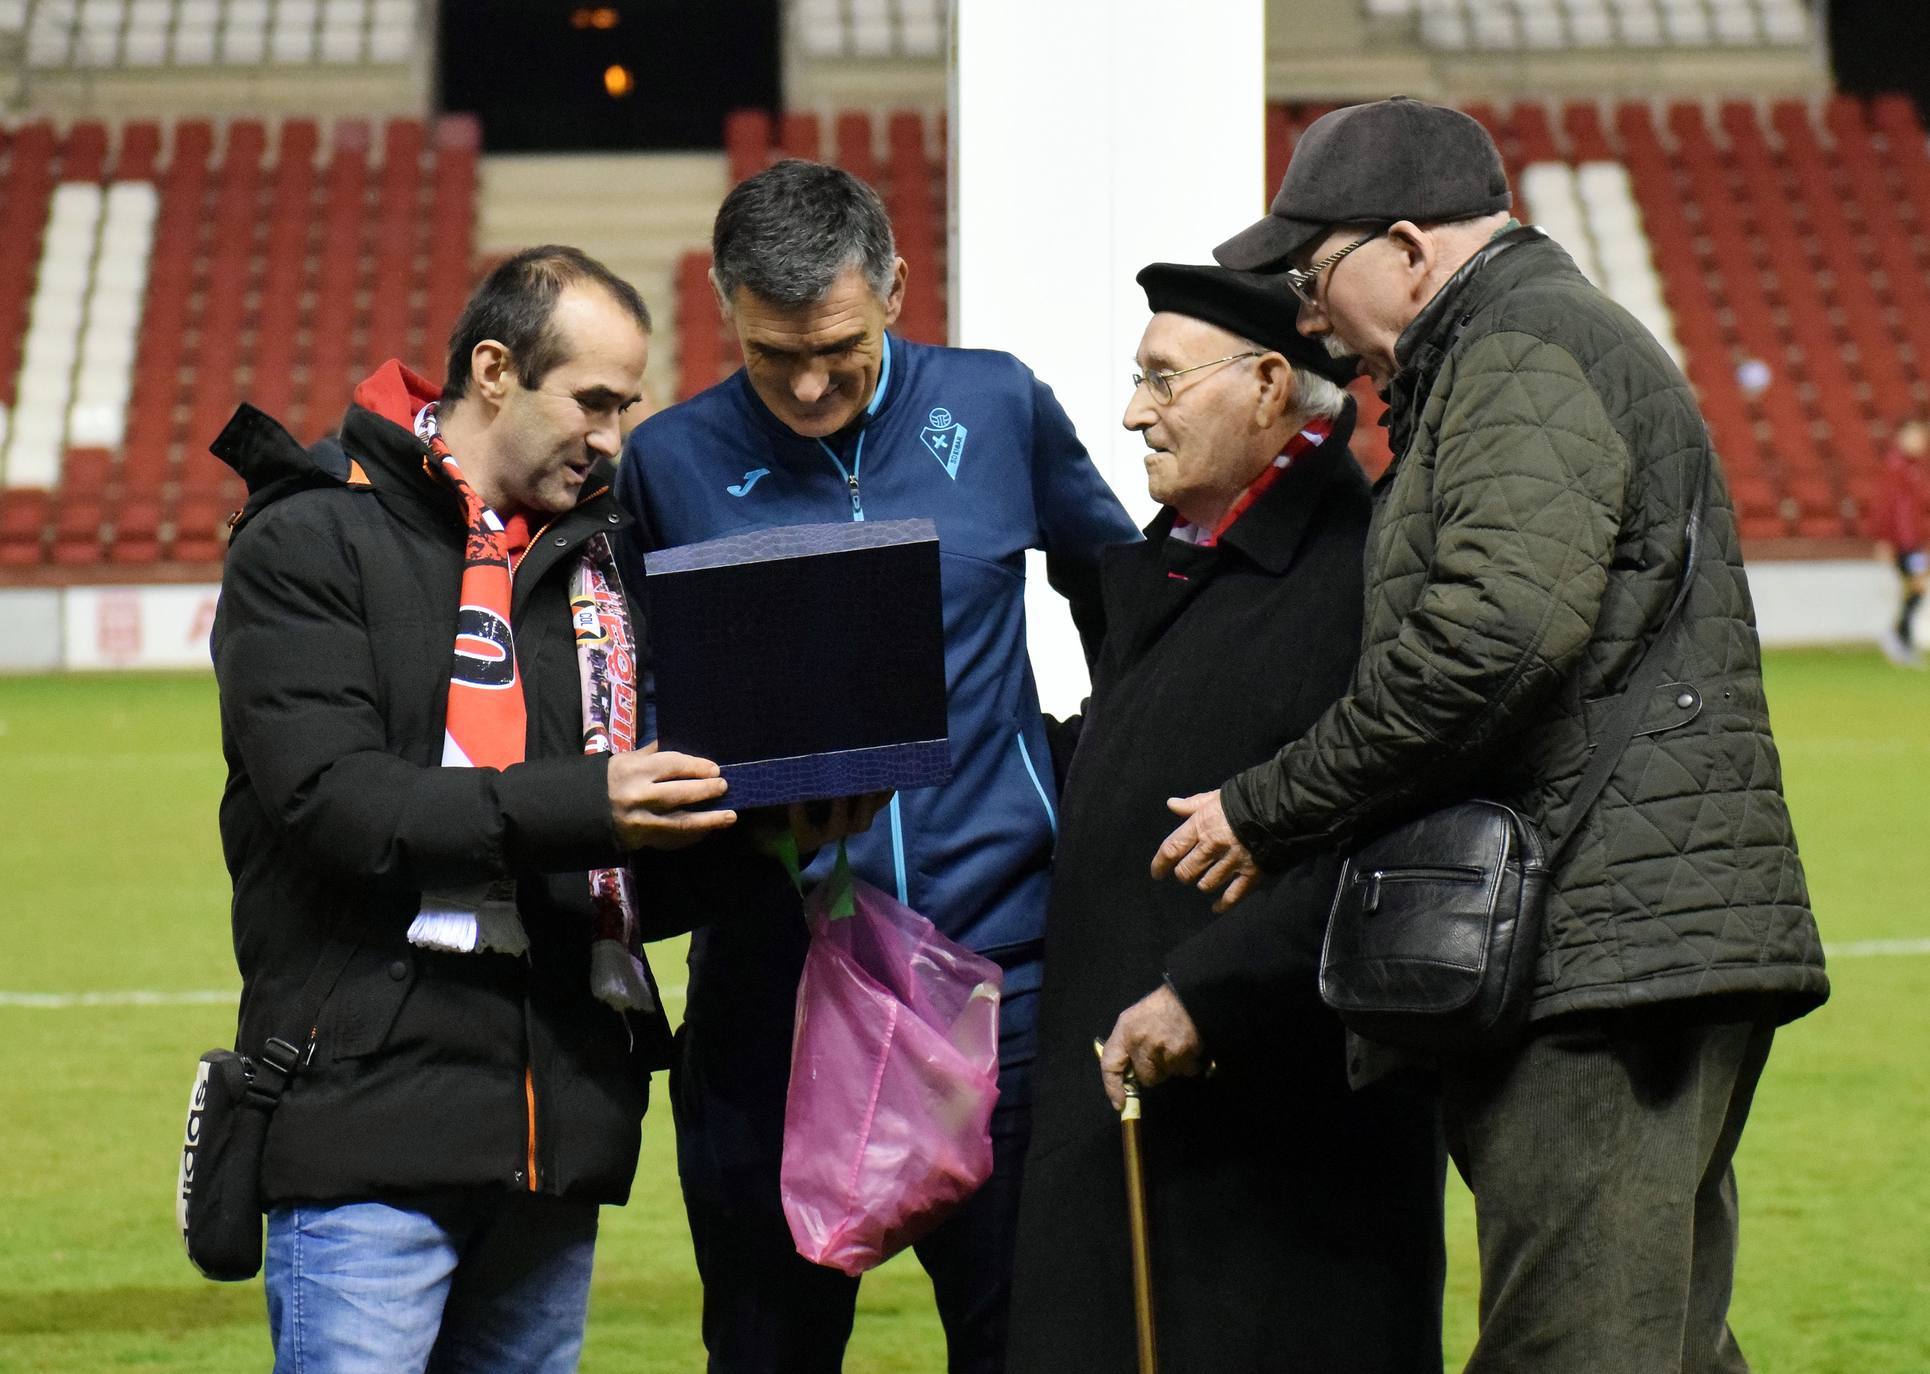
<point>945,437</point>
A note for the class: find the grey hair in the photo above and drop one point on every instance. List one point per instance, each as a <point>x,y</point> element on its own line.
<point>788,233</point>
<point>1310,396</point>
<point>1313,395</point>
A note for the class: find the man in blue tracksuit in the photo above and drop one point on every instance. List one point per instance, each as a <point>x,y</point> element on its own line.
<point>831,418</point>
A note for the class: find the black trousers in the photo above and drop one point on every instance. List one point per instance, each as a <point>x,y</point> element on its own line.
<point>768,1310</point>
<point>1599,1153</point>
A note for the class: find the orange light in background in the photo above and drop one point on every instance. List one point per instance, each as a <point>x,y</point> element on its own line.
<point>601,17</point>
<point>618,81</point>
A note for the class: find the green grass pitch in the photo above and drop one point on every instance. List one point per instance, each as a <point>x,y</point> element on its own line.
<point>112,882</point>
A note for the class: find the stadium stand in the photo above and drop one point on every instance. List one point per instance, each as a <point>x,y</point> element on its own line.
<point>869,28</point>
<point>140,34</point>
<point>198,267</point>
<point>1778,250</point>
<point>1458,25</point>
<point>179,255</point>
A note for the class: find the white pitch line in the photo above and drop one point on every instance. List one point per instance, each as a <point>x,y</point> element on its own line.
<point>147,997</point>
<point>1875,949</point>
<point>130,997</point>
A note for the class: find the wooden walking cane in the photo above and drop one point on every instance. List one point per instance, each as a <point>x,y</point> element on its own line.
<point>1136,1222</point>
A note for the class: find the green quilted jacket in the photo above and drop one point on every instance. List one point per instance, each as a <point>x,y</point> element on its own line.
<point>1526,541</point>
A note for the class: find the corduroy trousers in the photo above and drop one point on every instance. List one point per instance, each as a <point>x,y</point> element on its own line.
<point>1599,1153</point>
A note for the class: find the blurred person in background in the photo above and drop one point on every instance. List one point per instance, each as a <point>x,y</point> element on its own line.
<point>1294,1222</point>
<point>427,761</point>
<point>1900,520</point>
<point>833,418</point>
<point>1526,544</point>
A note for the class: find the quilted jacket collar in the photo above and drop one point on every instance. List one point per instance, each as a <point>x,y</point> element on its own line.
<point>1425,344</point>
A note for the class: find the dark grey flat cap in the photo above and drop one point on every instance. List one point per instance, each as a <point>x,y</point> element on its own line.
<point>1374,164</point>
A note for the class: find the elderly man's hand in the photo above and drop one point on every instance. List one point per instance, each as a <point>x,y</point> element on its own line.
<point>1157,1037</point>
<point>650,791</point>
<point>1205,852</point>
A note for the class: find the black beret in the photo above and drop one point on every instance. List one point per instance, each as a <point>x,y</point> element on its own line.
<point>1255,305</point>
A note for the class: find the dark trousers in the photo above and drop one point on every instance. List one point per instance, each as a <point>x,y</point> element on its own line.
<point>768,1310</point>
<point>1599,1154</point>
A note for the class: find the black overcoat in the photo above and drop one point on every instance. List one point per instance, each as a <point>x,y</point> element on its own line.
<point>1295,1225</point>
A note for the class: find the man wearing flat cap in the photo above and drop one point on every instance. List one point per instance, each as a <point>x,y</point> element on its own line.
<point>1551,478</point>
<point>1293,1221</point>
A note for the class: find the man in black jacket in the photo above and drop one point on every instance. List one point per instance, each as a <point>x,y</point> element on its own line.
<point>1294,1223</point>
<point>467,1098</point>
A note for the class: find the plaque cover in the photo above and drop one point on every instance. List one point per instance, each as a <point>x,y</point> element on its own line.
<point>807,660</point>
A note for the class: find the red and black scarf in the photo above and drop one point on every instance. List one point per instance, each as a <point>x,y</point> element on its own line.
<point>485,727</point>
<point>1312,436</point>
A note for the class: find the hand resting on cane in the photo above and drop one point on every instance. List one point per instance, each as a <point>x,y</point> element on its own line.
<point>1157,1037</point>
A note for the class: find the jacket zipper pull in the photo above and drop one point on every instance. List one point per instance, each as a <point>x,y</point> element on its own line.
<point>857,510</point>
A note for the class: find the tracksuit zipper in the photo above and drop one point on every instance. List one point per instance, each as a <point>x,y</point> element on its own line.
<point>849,474</point>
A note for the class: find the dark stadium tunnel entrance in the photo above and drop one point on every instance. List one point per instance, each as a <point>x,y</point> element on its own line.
<point>570,75</point>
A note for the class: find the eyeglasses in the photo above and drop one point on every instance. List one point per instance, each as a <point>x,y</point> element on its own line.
<point>1161,383</point>
<point>1300,280</point>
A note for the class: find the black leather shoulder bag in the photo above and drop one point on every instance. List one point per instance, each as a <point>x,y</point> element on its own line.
<point>1436,925</point>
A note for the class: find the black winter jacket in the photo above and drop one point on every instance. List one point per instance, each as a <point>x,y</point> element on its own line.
<point>332,643</point>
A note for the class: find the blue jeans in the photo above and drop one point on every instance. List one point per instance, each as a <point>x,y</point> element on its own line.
<point>464,1281</point>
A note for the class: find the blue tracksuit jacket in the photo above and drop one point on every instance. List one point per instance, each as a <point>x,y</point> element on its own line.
<point>972,440</point>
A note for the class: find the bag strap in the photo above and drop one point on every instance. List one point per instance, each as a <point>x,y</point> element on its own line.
<point>281,1058</point>
<point>1643,679</point>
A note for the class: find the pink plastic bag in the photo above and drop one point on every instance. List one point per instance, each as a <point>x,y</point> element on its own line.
<point>894,1073</point>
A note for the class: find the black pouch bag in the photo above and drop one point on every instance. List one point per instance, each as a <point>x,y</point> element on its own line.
<point>1436,925</point>
<point>217,1195</point>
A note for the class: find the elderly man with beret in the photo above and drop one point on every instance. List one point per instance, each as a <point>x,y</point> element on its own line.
<point>1295,1223</point>
<point>1553,491</point>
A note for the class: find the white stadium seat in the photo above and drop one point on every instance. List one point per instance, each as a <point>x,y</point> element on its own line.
<point>246,46</point>
<point>343,44</point>
<point>193,46</point>
<point>922,38</point>
<point>292,45</point>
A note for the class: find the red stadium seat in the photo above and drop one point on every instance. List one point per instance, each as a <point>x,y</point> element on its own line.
<point>83,154</point>
<point>800,136</point>
<point>200,526</point>
<point>140,146</point>
<point>24,193</point>
<point>137,532</point>
<point>747,143</point>
<point>24,513</point>
<point>855,152</point>
<point>78,528</point>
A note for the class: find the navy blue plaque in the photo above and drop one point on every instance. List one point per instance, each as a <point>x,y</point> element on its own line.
<point>807,660</point>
